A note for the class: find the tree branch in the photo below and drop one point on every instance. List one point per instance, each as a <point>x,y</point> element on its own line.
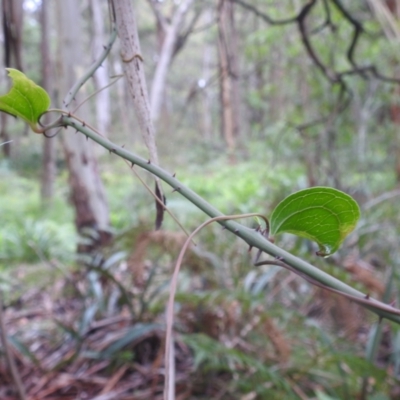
<point>334,77</point>
<point>91,70</point>
<point>264,16</point>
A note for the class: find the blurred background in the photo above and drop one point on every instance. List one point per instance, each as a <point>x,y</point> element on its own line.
<point>251,100</point>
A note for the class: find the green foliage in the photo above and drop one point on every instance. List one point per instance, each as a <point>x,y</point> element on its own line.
<point>25,99</point>
<point>30,233</point>
<point>322,214</point>
<point>210,355</point>
<point>238,188</point>
<point>33,241</point>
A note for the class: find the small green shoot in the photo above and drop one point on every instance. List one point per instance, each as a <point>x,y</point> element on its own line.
<point>324,215</point>
<point>25,100</point>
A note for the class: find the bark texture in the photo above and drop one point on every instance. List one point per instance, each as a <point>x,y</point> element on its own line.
<point>132,60</point>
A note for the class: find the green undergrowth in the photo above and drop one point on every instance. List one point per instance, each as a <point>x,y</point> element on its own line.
<point>253,333</point>
<point>31,232</point>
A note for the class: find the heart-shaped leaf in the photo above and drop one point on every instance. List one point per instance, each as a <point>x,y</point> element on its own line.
<point>324,215</point>
<point>25,99</point>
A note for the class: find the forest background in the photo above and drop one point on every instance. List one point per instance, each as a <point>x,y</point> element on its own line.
<point>251,101</point>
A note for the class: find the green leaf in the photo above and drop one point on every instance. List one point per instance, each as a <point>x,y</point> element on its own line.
<point>25,99</point>
<point>321,214</point>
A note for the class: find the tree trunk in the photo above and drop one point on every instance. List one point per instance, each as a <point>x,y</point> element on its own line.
<point>12,30</point>
<point>229,74</point>
<point>101,75</point>
<point>49,146</point>
<point>132,60</point>
<point>206,98</point>
<point>87,191</point>
<point>12,27</point>
<point>167,51</point>
<point>391,17</point>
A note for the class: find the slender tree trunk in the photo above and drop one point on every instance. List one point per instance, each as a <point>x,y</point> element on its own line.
<point>132,60</point>
<point>49,146</point>
<point>229,74</point>
<point>206,101</point>
<point>167,51</point>
<point>12,27</point>
<point>12,11</point>
<point>87,191</point>
<point>392,16</point>
<point>101,76</point>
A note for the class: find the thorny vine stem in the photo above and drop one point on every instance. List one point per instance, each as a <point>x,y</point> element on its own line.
<point>58,123</point>
<point>251,237</point>
<point>362,301</point>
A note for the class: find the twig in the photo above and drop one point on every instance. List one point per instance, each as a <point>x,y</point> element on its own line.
<point>8,354</point>
<point>169,358</point>
<point>96,93</point>
<point>265,16</point>
<point>159,201</point>
<point>333,76</point>
<point>91,70</point>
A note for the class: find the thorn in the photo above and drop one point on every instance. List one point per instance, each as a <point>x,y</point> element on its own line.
<point>223,228</point>
<point>392,303</point>
<point>176,189</point>
<point>83,124</point>
<point>367,296</point>
<point>236,231</point>
<point>123,146</point>
<point>104,47</point>
<point>69,114</point>
<point>258,255</point>
<point>250,248</point>
<point>76,130</point>
<point>174,175</point>
<point>280,258</point>
<point>148,162</point>
<point>87,138</point>
<point>132,164</point>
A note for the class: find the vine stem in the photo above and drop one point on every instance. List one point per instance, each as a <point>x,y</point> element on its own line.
<point>169,388</point>
<point>252,238</point>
